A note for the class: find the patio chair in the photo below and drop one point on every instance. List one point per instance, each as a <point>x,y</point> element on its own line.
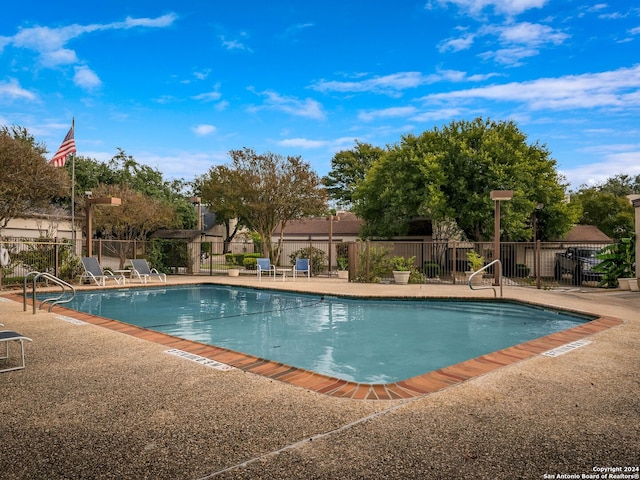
<point>301,267</point>
<point>264,265</point>
<point>144,272</point>
<point>7,336</point>
<point>93,272</point>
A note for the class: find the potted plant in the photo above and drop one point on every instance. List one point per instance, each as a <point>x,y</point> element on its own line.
<point>343,267</point>
<point>401,268</point>
<point>618,263</point>
<point>476,262</point>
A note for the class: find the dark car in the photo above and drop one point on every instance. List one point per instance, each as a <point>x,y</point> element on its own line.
<point>579,263</point>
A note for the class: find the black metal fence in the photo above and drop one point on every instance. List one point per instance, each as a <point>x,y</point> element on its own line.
<point>524,263</point>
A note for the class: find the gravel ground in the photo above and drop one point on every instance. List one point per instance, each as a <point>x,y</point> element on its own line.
<point>93,403</point>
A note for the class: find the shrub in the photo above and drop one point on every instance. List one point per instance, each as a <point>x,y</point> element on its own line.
<point>250,263</point>
<point>431,270</point>
<point>378,260</point>
<point>317,258</point>
<point>522,270</point>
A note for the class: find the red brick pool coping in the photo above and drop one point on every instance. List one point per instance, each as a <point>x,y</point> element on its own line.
<point>413,387</point>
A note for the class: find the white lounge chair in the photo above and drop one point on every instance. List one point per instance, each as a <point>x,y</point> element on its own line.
<point>264,265</point>
<point>303,267</point>
<point>7,336</point>
<point>144,272</point>
<point>93,271</point>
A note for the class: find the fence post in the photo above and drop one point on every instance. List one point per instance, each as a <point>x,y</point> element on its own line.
<point>455,261</point>
<point>211,257</point>
<point>56,258</point>
<point>368,260</point>
<point>353,253</point>
<point>536,264</point>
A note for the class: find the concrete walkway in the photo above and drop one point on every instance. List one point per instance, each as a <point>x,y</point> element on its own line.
<point>94,403</point>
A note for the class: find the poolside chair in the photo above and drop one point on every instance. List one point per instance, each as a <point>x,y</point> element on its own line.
<point>144,272</point>
<point>93,272</point>
<point>264,265</point>
<point>7,336</point>
<point>301,267</point>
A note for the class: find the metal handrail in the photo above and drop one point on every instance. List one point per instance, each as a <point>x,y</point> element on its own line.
<point>492,286</point>
<point>54,300</point>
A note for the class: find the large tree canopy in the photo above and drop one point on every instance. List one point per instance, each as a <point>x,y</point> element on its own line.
<point>136,217</point>
<point>123,170</point>
<point>447,174</point>
<point>264,191</point>
<point>27,181</point>
<point>612,213</point>
<point>348,169</point>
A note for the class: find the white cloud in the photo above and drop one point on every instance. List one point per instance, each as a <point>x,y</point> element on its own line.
<point>388,84</point>
<point>508,7</point>
<point>13,90</point>
<point>308,107</point>
<point>613,89</point>
<point>203,130</point>
<point>627,162</point>
<point>510,56</point>
<point>175,164</point>
<point>86,78</point>
<point>50,43</point>
<point>158,22</point>
<point>234,44</point>
<point>209,96</point>
<point>333,145</point>
<point>457,44</point>
<point>202,75</point>
<point>302,143</point>
<point>392,112</point>
<point>393,84</point>
<point>296,29</point>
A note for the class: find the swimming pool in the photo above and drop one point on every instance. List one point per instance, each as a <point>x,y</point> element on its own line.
<point>360,340</point>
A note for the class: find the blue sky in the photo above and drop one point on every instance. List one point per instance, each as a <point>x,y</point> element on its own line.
<point>179,84</point>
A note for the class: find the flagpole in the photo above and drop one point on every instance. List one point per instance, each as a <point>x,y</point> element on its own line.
<point>73,191</point>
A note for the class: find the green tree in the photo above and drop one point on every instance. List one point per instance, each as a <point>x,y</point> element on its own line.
<point>621,185</point>
<point>134,219</point>
<point>123,170</point>
<point>348,169</point>
<point>27,181</point>
<point>447,174</point>
<point>610,212</point>
<point>265,191</point>
<point>218,190</point>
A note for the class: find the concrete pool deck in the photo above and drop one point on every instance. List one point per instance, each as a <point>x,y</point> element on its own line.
<point>94,403</point>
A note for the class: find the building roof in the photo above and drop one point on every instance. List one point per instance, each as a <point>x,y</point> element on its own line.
<point>344,224</point>
<point>586,233</point>
<point>176,234</point>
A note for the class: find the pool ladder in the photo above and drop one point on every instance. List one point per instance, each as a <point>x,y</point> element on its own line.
<point>492,287</point>
<point>67,288</point>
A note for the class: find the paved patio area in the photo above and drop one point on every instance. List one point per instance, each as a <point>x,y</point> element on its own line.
<point>97,403</point>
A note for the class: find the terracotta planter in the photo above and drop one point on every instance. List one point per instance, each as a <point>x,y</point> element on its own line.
<point>401,277</point>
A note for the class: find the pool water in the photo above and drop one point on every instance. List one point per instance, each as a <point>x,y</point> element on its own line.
<point>361,340</point>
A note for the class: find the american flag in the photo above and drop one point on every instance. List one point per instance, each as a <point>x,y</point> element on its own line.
<point>68,147</point>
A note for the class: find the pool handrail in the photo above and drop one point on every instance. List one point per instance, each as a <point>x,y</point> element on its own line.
<point>66,288</point>
<point>491,286</point>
